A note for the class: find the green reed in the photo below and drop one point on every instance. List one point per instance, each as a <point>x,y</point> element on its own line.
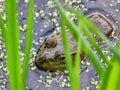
<point>111,74</point>
<point>11,35</point>
<point>17,72</point>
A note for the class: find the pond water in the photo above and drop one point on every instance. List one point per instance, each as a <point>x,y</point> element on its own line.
<point>46,22</point>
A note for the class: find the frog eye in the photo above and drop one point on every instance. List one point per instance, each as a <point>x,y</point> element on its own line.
<point>61,57</point>
<point>50,42</point>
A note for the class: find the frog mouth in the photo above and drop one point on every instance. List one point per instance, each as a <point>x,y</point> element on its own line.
<point>50,65</point>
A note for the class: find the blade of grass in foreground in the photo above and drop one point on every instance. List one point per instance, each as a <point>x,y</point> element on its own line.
<point>112,76</point>
<point>97,47</point>
<point>66,18</point>
<point>66,48</point>
<point>96,31</point>
<point>74,31</point>
<point>100,35</point>
<point>28,43</point>
<point>92,56</point>
<point>87,32</point>
<point>76,65</point>
<point>74,76</point>
<point>88,51</point>
<point>78,57</point>
<point>12,45</point>
<point>90,25</point>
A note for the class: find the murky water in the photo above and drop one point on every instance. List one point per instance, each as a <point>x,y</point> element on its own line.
<point>47,21</point>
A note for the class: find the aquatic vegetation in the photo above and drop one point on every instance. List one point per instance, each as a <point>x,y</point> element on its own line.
<point>109,73</point>
<point>11,36</point>
<point>85,26</point>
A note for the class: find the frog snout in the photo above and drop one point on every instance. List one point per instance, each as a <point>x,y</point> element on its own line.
<point>39,61</point>
<point>42,58</point>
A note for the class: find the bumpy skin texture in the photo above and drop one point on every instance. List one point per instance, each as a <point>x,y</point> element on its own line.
<point>50,55</point>
<point>101,23</point>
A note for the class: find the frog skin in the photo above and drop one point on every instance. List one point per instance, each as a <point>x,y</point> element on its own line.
<point>50,55</point>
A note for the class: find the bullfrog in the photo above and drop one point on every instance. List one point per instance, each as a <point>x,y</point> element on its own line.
<point>50,55</point>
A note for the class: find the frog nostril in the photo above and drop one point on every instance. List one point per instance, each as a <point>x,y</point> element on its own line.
<point>39,61</point>
<point>42,58</point>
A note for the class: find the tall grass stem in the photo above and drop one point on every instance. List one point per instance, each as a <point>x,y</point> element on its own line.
<point>12,45</point>
<point>28,43</point>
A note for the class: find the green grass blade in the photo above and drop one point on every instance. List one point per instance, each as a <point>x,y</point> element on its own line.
<point>112,73</point>
<point>73,27</point>
<point>74,76</point>
<point>78,54</point>
<point>95,30</point>
<point>74,31</point>
<point>28,43</point>
<point>2,28</point>
<point>12,45</point>
<point>95,45</point>
<point>87,32</point>
<point>87,49</point>
<point>93,57</point>
<point>114,76</point>
<point>78,57</point>
<point>105,79</point>
<point>76,67</point>
<point>66,48</point>
<point>111,79</point>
